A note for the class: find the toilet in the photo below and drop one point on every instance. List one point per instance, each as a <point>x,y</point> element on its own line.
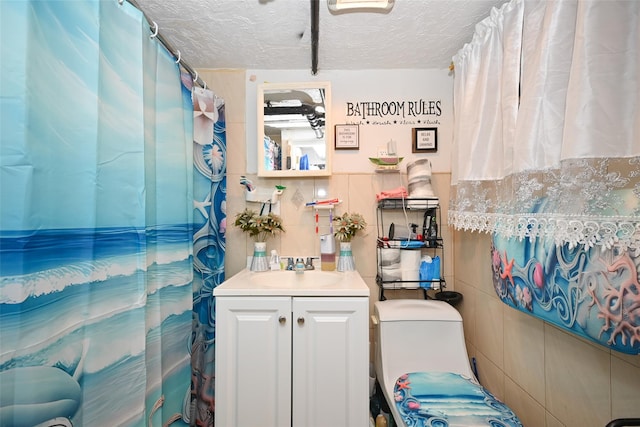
<point>423,369</point>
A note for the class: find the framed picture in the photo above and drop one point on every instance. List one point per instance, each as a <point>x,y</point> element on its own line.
<point>425,140</point>
<point>347,137</point>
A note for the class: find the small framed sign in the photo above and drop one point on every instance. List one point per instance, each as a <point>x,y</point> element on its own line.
<point>347,137</point>
<point>425,140</point>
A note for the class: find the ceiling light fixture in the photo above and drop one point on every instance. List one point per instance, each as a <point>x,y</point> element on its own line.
<point>355,5</point>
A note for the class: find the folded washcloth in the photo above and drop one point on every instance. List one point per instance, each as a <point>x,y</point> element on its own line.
<point>395,193</point>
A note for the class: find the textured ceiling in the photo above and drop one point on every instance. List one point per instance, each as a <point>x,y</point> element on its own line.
<point>276,34</point>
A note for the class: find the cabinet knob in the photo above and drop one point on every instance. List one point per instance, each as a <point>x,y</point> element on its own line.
<point>282,320</point>
<point>300,321</point>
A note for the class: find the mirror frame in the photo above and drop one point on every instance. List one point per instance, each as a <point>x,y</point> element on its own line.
<point>328,130</point>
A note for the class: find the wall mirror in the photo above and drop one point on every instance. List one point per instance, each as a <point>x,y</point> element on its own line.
<point>295,133</point>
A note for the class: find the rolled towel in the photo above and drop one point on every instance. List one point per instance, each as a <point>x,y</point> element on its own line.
<point>395,193</point>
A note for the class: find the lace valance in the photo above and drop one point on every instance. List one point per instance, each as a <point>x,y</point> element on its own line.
<point>585,202</point>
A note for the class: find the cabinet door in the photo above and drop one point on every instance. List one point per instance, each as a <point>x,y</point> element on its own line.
<point>330,362</point>
<point>253,361</point>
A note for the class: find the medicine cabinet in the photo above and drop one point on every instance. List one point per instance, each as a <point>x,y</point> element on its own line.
<point>295,133</point>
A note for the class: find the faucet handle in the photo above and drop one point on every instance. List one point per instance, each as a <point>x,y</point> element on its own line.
<point>290,264</point>
<point>309,264</point>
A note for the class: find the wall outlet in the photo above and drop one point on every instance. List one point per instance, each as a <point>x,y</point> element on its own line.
<point>382,152</point>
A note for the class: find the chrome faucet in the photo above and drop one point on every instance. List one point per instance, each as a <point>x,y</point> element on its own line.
<point>299,263</point>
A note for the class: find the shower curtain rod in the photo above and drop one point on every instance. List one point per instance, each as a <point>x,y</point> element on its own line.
<point>176,53</point>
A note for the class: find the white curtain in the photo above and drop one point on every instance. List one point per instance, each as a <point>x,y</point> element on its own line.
<point>547,124</point>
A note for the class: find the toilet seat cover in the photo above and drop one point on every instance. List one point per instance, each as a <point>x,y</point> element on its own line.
<point>442,399</point>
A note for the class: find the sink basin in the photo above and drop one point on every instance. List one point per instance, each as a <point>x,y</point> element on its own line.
<point>283,278</point>
<point>283,283</point>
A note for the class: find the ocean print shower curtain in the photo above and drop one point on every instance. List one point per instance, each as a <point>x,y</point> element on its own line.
<point>97,221</point>
<point>210,219</point>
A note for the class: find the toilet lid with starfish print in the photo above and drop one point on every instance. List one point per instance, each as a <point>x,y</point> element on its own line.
<point>445,399</point>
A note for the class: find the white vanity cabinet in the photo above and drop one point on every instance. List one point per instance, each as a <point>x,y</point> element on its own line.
<point>287,360</point>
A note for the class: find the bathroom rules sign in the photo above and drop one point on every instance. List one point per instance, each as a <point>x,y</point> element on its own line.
<point>394,112</point>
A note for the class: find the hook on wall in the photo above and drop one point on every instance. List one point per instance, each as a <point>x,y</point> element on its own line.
<point>155,30</point>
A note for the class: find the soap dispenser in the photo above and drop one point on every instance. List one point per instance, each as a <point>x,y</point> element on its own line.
<point>327,252</point>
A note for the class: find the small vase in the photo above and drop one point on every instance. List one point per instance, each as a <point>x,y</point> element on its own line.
<point>346,261</point>
<point>259,261</point>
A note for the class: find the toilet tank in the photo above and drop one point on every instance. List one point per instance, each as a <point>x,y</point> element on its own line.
<point>419,336</point>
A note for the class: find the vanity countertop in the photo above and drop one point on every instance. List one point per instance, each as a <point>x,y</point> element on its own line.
<point>290,283</point>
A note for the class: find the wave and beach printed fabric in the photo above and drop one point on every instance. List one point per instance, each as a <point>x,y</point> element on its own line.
<point>442,399</point>
<point>210,166</point>
<point>592,292</point>
<point>96,219</point>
